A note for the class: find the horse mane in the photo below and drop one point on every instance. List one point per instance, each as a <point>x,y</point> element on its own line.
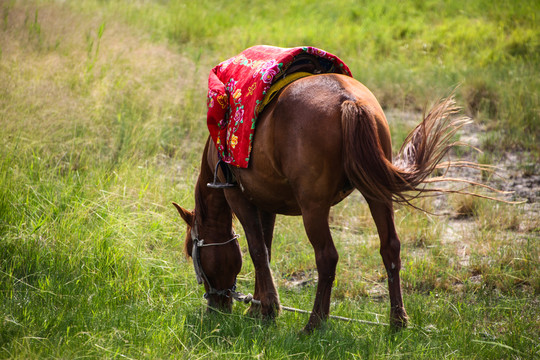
<point>199,212</point>
<point>200,206</point>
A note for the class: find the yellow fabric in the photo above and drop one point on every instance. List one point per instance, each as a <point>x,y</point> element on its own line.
<point>280,84</point>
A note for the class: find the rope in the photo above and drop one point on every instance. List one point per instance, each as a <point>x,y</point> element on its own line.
<point>246,299</point>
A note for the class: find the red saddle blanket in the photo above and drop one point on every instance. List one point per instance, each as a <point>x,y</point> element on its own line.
<point>237,87</point>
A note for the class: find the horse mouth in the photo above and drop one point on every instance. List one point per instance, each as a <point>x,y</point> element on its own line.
<point>219,303</point>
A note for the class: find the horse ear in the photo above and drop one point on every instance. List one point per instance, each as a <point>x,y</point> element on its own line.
<point>187,215</point>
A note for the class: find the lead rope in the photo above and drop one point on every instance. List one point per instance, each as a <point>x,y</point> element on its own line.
<point>246,299</point>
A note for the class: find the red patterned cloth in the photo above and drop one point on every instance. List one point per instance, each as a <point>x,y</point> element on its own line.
<point>237,86</point>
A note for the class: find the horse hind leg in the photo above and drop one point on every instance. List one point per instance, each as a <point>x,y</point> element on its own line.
<point>326,257</point>
<point>383,215</point>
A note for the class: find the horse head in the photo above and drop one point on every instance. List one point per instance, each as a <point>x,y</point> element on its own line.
<point>216,256</point>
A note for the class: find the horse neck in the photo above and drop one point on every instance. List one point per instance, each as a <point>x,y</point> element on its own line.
<point>212,211</point>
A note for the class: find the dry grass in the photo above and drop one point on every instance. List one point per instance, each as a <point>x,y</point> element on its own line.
<point>65,63</point>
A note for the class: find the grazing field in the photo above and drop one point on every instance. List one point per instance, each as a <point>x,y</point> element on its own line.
<point>102,123</point>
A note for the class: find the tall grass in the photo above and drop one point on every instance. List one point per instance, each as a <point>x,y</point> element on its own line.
<point>405,52</point>
<point>102,125</point>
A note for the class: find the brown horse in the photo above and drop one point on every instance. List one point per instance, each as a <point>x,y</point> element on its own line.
<point>321,138</point>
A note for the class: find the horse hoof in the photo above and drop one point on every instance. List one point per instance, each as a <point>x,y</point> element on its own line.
<point>254,310</point>
<point>307,330</point>
<point>398,318</point>
<point>314,322</point>
<point>267,312</point>
<point>270,312</point>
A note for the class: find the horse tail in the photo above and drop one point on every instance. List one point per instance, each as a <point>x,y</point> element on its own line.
<point>376,176</point>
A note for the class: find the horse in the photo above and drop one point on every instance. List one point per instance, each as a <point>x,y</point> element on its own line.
<point>319,139</point>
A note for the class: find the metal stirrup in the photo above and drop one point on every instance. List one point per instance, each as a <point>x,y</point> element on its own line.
<point>229,182</point>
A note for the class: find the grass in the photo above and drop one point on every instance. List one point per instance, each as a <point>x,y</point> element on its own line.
<point>428,47</point>
<point>101,127</point>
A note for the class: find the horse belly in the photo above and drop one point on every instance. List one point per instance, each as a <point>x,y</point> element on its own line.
<point>268,190</point>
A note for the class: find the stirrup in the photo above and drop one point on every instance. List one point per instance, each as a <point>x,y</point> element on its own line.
<point>229,183</point>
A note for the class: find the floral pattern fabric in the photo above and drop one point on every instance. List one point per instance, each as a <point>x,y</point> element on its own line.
<point>236,89</point>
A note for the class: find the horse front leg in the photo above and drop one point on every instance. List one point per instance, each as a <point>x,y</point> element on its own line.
<point>260,252</point>
<point>268,221</point>
<point>326,257</point>
<point>383,215</point>
<point>258,227</point>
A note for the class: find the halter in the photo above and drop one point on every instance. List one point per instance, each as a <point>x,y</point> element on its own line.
<point>199,272</point>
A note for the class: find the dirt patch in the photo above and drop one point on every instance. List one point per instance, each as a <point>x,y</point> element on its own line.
<point>300,279</point>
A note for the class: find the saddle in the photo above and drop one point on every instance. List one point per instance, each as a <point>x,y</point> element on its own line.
<point>275,89</point>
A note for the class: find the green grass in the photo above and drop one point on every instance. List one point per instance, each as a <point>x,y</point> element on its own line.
<point>405,52</point>
<point>102,117</point>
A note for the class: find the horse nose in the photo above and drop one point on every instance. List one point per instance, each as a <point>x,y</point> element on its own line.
<point>219,303</point>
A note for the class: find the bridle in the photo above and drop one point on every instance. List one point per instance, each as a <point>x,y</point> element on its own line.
<point>199,272</point>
